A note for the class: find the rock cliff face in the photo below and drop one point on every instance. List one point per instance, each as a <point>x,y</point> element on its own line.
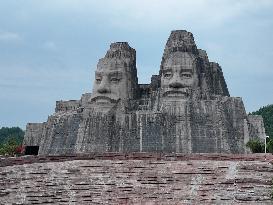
<point>185,109</point>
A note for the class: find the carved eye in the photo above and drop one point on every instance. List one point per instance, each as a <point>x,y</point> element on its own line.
<point>98,80</point>
<point>186,75</point>
<point>115,80</point>
<point>167,75</point>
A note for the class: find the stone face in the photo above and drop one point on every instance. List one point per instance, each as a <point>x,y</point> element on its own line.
<point>115,77</point>
<point>186,108</point>
<point>179,78</point>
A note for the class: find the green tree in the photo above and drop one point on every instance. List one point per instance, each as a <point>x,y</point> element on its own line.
<point>10,140</point>
<point>9,148</point>
<point>13,132</point>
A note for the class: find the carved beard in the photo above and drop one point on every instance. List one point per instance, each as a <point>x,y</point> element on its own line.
<point>182,93</point>
<point>103,100</point>
<point>186,93</point>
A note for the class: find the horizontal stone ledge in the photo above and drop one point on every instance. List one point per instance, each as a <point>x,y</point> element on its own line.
<point>152,158</point>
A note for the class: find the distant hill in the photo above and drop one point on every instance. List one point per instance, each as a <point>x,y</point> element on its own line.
<point>267,113</point>
<point>7,133</point>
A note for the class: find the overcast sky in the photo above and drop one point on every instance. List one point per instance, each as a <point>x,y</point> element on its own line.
<point>49,49</point>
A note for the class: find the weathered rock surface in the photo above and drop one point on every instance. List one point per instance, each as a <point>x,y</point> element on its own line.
<point>138,178</point>
<point>187,108</point>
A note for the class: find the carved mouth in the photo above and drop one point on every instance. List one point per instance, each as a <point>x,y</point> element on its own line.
<point>103,100</point>
<point>176,93</point>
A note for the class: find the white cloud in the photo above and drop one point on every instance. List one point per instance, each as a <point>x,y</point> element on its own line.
<point>6,36</point>
<point>152,14</point>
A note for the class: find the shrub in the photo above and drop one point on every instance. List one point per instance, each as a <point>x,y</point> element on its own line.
<point>11,148</point>
<point>256,146</point>
<point>269,145</point>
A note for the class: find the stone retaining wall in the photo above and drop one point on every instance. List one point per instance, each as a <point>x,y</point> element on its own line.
<point>137,178</point>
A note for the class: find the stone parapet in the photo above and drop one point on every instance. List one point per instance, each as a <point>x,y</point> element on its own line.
<point>64,106</point>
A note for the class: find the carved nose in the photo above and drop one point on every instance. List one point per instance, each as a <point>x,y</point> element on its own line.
<point>176,84</point>
<point>104,87</point>
<point>103,90</point>
<point>175,81</point>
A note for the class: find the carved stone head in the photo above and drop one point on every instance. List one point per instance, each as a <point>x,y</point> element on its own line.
<point>115,77</point>
<point>179,76</point>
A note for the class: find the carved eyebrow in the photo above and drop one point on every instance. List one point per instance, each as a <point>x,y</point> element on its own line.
<point>167,70</point>
<point>115,73</point>
<point>187,71</point>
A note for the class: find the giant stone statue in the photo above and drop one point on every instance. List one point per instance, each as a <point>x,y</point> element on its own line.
<point>115,77</point>
<point>185,109</point>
